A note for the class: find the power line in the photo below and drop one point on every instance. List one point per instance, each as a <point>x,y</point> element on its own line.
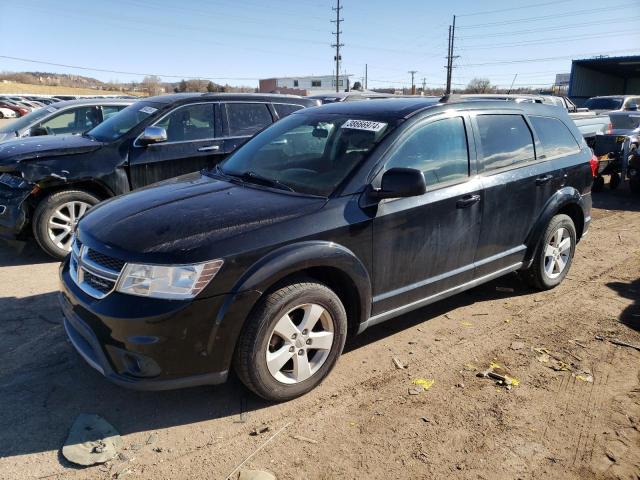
<point>548,29</point>
<point>535,5</point>
<point>550,40</point>
<point>532,60</point>
<point>547,17</point>
<point>121,72</point>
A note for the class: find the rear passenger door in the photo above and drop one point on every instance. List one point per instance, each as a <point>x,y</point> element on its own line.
<point>241,121</point>
<point>516,182</point>
<point>192,144</point>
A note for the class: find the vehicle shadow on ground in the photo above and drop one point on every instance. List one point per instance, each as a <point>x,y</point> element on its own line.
<point>15,253</point>
<point>481,293</point>
<point>44,384</point>
<point>630,316</point>
<point>620,199</point>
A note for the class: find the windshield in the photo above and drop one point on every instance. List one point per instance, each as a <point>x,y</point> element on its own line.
<point>306,153</point>
<point>123,122</point>
<point>23,122</point>
<point>603,103</point>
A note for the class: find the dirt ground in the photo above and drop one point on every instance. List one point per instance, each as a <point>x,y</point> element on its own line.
<point>362,422</point>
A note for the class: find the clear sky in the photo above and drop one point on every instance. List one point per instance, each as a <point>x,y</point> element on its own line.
<point>240,41</point>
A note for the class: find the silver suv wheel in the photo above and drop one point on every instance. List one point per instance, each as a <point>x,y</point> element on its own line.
<point>557,253</point>
<point>62,223</point>
<point>300,343</point>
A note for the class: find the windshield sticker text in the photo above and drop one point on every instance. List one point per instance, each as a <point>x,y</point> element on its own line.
<point>364,125</point>
<point>148,110</point>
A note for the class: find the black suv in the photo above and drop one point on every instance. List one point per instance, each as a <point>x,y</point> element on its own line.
<point>330,221</point>
<point>50,182</point>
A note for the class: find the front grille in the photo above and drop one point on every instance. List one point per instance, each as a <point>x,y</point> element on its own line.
<point>94,272</point>
<point>100,284</point>
<point>105,261</point>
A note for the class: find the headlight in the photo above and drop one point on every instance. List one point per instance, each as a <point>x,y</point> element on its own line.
<point>178,282</point>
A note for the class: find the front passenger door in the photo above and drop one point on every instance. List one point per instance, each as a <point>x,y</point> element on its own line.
<point>425,245</point>
<point>191,145</point>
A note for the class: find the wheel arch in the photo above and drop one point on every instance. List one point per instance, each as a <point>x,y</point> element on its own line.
<point>90,186</point>
<point>329,263</point>
<point>567,201</point>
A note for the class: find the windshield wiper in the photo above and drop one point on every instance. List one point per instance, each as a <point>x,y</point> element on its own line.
<point>253,177</point>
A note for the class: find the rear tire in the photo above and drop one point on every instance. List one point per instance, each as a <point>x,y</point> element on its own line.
<point>598,184</point>
<point>275,357</point>
<point>56,217</point>
<point>554,255</point>
<point>615,180</point>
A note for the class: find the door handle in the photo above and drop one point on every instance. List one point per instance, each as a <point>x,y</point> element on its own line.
<point>210,148</point>
<point>544,179</point>
<point>467,201</point>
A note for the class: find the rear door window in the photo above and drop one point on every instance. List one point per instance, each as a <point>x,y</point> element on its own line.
<point>555,137</point>
<point>438,149</point>
<point>245,119</point>
<point>505,140</point>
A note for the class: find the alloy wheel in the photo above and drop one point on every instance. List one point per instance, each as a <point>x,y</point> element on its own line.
<point>557,253</point>
<point>300,343</point>
<point>63,221</point>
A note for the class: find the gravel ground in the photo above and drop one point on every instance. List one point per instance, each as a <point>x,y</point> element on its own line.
<point>362,422</point>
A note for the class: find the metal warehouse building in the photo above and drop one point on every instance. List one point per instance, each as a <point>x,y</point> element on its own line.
<point>604,76</point>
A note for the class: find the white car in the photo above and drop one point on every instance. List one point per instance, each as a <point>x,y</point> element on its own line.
<point>6,113</point>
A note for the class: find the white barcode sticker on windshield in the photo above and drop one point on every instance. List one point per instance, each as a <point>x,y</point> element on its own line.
<point>364,125</point>
<point>148,110</point>
<point>51,109</point>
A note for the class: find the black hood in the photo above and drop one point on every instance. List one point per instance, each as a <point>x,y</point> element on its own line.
<point>30,148</point>
<point>189,214</point>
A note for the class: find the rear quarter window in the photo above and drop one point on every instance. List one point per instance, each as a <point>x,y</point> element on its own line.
<point>284,109</point>
<point>555,136</point>
<point>505,140</point>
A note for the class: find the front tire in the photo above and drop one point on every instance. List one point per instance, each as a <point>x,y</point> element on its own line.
<point>554,255</point>
<point>291,340</point>
<point>56,217</point>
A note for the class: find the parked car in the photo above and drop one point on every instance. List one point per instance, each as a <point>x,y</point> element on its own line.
<point>612,103</point>
<point>352,96</point>
<point>68,117</point>
<point>332,220</point>
<point>50,182</point>
<point>616,150</point>
<point>19,110</point>
<point>7,113</point>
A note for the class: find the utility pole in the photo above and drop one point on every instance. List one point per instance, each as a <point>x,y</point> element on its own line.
<point>337,45</point>
<point>450,56</point>
<point>413,84</point>
<point>366,75</point>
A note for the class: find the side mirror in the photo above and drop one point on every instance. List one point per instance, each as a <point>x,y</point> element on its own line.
<point>38,132</point>
<point>400,182</point>
<point>152,135</point>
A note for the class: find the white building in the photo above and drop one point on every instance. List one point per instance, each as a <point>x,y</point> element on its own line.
<point>307,85</point>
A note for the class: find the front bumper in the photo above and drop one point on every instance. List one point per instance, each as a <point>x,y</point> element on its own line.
<point>13,211</point>
<point>153,344</point>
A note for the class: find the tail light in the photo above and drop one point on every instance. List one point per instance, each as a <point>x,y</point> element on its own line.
<point>594,165</point>
<point>610,128</point>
